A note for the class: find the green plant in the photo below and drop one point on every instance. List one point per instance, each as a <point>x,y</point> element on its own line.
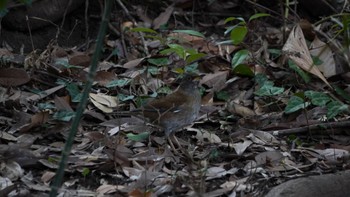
<point>171,45</point>
<point>303,100</point>
<point>238,33</point>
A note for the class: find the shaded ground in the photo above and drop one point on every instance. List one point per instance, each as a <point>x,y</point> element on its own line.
<point>248,138</point>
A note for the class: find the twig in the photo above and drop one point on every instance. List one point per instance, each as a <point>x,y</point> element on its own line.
<point>30,33</point>
<point>311,128</point>
<point>135,23</point>
<point>86,23</point>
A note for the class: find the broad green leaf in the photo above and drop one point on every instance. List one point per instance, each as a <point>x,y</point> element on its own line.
<point>85,172</point>
<point>43,106</point>
<point>275,53</point>
<point>342,93</point>
<point>316,60</point>
<point>294,104</point>
<point>64,62</point>
<point>65,116</point>
<point>260,79</point>
<point>143,29</point>
<point>123,97</point>
<point>334,108</point>
<point>178,49</point>
<point>162,40</point>
<point>258,15</point>
<point>118,83</point>
<point>244,70</point>
<point>164,90</point>
<point>298,70</point>
<point>159,61</point>
<point>238,34</point>
<point>239,57</point>
<point>223,95</point>
<point>153,70</point>
<point>192,68</point>
<point>190,32</point>
<point>194,57</point>
<point>234,18</point>
<point>268,89</point>
<point>317,98</point>
<point>74,92</point>
<point>138,137</point>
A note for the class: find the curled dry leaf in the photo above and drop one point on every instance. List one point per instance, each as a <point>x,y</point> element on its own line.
<point>104,102</point>
<point>297,50</point>
<point>325,54</point>
<point>11,77</point>
<point>163,17</point>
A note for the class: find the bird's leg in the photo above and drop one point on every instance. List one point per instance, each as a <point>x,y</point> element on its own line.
<point>172,138</point>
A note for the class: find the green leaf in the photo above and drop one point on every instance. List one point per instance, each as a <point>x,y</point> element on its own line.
<point>164,90</point>
<point>294,104</point>
<point>275,53</point>
<point>123,97</point>
<point>229,19</point>
<point>118,83</point>
<point>317,98</point>
<point>143,29</point>
<point>194,57</point>
<point>64,62</point>
<point>190,32</point>
<point>268,89</point>
<point>334,108</point>
<point>65,116</point>
<point>300,72</point>
<point>223,95</point>
<point>244,70</point>
<point>239,57</point>
<point>260,79</point>
<point>238,34</point>
<point>178,49</point>
<point>153,70</point>
<point>316,60</point>
<point>43,106</point>
<point>74,92</point>
<point>192,68</point>
<point>258,15</point>
<point>159,61</point>
<point>342,93</point>
<point>85,172</point>
<point>138,137</point>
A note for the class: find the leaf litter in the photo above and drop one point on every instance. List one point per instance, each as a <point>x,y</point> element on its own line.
<point>232,148</point>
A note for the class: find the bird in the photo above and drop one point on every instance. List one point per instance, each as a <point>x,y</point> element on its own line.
<point>176,110</point>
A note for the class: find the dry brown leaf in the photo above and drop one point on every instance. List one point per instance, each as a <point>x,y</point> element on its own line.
<point>104,102</point>
<point>62,103</point>
<point>80,60</point>
<point>104,77</point>
<point>324,53</point>
<point>296,49</point>
<point>216,80</point>
<point>43,94</point>
<point>133,63</point>
<point>163,18</point>
<point>11,77</point>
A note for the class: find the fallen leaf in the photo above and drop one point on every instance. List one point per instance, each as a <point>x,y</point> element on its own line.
<point>296,49</point>
<point>11,77</point>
